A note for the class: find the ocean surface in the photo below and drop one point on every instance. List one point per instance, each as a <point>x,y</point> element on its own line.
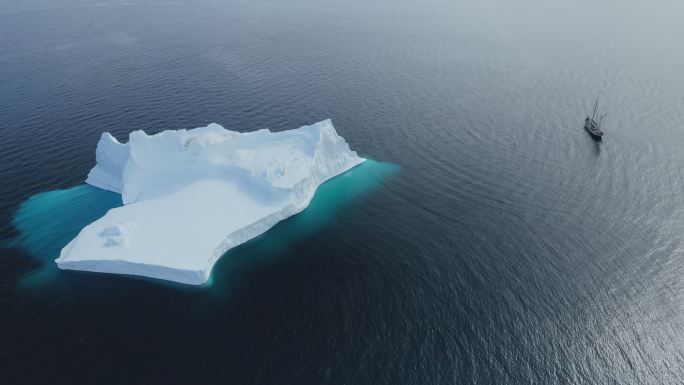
<point>490,240</point>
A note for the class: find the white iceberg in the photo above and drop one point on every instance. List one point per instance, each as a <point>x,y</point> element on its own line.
<point>191,195</point>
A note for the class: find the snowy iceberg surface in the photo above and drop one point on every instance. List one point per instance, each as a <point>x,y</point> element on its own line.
<point>191,195</point>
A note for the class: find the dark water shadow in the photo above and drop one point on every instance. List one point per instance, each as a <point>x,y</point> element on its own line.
<point>597,148</point>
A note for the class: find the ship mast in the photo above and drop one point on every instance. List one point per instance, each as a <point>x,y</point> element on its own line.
<point>595,107</point>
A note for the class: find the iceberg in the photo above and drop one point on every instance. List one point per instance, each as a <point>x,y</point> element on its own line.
<point>191,195</point>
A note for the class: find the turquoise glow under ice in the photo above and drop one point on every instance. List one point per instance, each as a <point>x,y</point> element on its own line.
<point>48,221</point>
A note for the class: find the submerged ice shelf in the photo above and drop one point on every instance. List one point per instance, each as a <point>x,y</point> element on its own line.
<point>191,195</point>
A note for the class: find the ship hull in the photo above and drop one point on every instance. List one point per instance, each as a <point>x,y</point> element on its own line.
<point>593,135</point>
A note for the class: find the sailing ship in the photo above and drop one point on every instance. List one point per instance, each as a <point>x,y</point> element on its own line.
<point>593,127</point>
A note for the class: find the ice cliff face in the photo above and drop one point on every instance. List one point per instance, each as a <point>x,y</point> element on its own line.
<point>191,195</point>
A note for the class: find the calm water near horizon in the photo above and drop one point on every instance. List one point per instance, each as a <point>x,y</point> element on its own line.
<point>490,240</point>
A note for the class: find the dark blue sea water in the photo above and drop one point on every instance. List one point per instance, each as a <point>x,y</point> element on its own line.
<point>490,240</point>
